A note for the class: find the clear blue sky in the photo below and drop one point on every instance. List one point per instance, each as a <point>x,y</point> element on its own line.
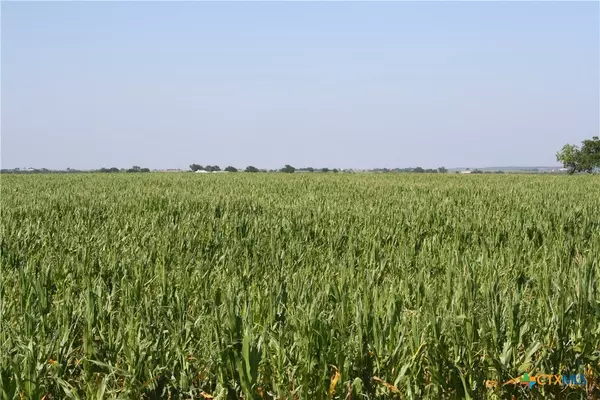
<point>338,84</point>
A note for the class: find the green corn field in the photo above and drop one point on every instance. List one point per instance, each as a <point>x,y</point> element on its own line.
<point>298,286</point>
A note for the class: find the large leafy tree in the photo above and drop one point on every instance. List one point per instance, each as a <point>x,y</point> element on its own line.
<point>583,159</point>
<point>569,157</point>
<point>590,154</point>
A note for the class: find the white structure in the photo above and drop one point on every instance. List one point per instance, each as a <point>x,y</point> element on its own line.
<point>467,171</point>
<point>201,171</point>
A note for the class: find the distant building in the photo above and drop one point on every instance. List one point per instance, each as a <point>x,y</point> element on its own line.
<point>467,171</point>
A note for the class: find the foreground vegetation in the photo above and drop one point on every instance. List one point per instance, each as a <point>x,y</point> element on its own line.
<point>297,286</point>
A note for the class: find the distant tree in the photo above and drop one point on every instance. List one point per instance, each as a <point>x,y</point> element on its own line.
<point>335,170</point>
<point>583,159</point>
<point>288,169</point>
<point>231,169</point>
<point>251,168</point>
<point>418,170</point>
<point>109,170</point>
<point>477,171</point>
<point>499,172</point>
<point>442,170</point>
<point>212,168</point>
<point>196,167</point>
<point>324,169</point>
<point>136,168</point>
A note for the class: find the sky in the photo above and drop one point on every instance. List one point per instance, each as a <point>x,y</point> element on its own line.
<point>323,84</point>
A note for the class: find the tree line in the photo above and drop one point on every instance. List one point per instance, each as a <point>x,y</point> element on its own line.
<point>290,169</point>
<point>134,169</point>
<point>584,158</point>
<point>216,168</point>
<point>580,159</point>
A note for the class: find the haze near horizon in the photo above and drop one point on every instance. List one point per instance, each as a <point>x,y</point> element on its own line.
<point>343,84</point>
